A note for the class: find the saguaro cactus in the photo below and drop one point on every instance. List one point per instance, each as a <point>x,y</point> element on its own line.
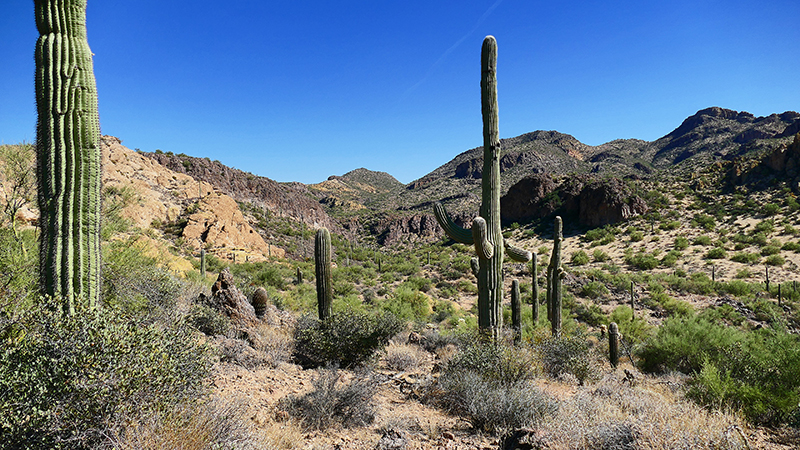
<point>535,289</point>
<point>68,155</point>
<point>613,344</point>
<point>322,261</point>
<point>486,234</point>
<point>554,275</point>
<point>516,311</point>
<point>203,262</point>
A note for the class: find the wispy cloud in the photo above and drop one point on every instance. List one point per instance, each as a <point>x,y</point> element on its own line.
<point>453,47</point>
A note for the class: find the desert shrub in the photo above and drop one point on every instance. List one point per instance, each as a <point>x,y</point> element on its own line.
<point>208,321</point>
<point>489,384</point>
<point>600,236</point>
<point>671,258</point>
<point>670,225</point>
<point>745,257</point>
<point>791,246</point>
<point>768,250</point>
<point>409,304</point>
<point>418,283</point>
<point>634,329</point>
<point>600,256</point>
<point>18,267</point>
<point>594,289</point>
<point>737,288</point>
<point>467,287</point>
<point>579,258</point>
<point>716,253</point>
<point>348,338</point>
<point>704,221</point>
<point>755,373</point>
<point>591,314</point>
<point>702,240</point>
<point>774,260</point>
<point>683,343</point>
<point>403,357</point>
<point>770,209</point>
<point>672,306</point>
<point>65,378</point>
<point>491,405</point>
<point>330,403</point>
<point>760,239</point>
<point>636,235</point>
<point>681,243</point>
<point>642,261</point>
<point>569,353</point>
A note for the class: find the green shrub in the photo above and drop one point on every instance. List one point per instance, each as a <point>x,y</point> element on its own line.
<point>409,304</point>
<point>634,329</point>
<point>591,314</point>
<point>579,258</point>
<point>600,256</point>
<point>348,338</point>
<point>768,250</point>
<point>704,221</point>
<point>329,403</point>
<point>745,257</point>
<point>716,253</point>
<point>774,260</point>
<point>594,289</point>
<point>683,343</point>
<point>18,268</point>
<point>791,246</point>
<point>702,240</point>
<point>671,258</point>
<point>642,261</point>
<point>65,379</point>
<point>681,243</point>
<point>569,353</point>
<point>208,320</point>
<point>670,225</point>
<point>770,209</point>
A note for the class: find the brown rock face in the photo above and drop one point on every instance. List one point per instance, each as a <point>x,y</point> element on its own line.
<point>227,299</point>
<point>594,201</point>
<point>395,229</point>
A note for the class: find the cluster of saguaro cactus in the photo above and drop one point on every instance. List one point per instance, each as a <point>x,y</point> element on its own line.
<point>486,234</point>
<point>68,154</point>
<point>322,261</point>
<point>555,273</point>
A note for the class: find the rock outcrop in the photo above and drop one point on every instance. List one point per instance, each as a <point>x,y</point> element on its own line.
<point>229,300</point>
<point>595,201</point>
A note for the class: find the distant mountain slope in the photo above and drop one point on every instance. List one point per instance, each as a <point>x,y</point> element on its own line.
<point>356,190</point>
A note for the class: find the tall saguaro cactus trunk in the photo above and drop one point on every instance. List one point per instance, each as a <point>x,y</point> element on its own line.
<point>490,271</point>
<point>555,274</point>
<point>486,234</point>
<point>68,155</point>
<point>322,262</point>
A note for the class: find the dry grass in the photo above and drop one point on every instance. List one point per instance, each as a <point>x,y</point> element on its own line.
<point>212,424</point>
<point>403,357</point>
<point>615,415</point>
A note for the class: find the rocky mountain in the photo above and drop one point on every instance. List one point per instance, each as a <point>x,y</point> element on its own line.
<point>356,190</point>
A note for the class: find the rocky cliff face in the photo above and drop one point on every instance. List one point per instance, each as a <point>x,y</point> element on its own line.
<point>161,195</point>
<point>593,200</point>
<point>782,163</point>
<point>292,200</point>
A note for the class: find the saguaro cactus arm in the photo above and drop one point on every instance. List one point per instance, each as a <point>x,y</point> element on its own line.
<point>517,254</point>
<point>68,154</point>
<point>483,247</point>
<point>457,233</point>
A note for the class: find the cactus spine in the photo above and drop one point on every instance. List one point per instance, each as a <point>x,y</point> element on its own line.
<point>516,311</point>
<point>613,344</point>
<point>486,234</point>
<point>322,261</point>
<point>68,155</point>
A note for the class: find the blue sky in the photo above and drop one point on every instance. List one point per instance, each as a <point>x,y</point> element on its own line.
<point>300,90</point>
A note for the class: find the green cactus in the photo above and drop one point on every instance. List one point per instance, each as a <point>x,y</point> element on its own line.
<point>534,289</point>
<point>633,303</point>
<point>486,234</point>
<point>203,262</point>
<point>68,155</point>
<point>259,302</point>
<point>322,261</point>
<point>516,311</point>
<point>613,344</point>
<point>554,275</point>
<point>299,277</point>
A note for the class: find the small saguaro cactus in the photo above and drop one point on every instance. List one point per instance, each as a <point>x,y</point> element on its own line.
<point>535,289</point>
<point>299,277</point>
<point>322,261</point>
<point>259,302</point>
<point>486,234</point>
<point>68,155</point>
<point>633,303</point>
<point>203,262</point>
<point>516,311</point>
<point>613,344</point>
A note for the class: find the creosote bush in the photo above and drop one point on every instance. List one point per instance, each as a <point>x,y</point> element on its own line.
<point>348,338</point>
